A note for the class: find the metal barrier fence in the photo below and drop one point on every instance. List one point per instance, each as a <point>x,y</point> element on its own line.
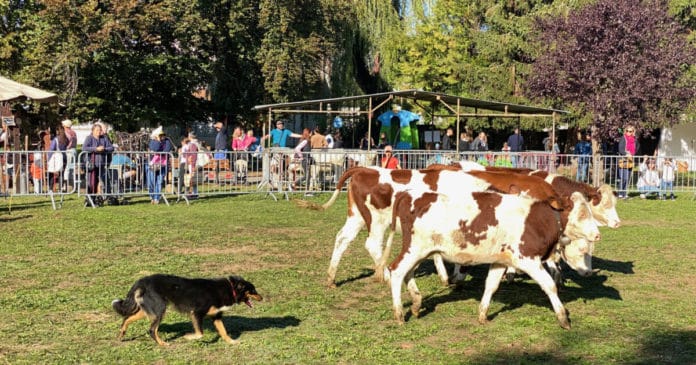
<point>118,177</point>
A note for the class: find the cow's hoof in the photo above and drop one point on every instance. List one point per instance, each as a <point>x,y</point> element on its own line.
<point>564,322</point>
<point>399,316</point>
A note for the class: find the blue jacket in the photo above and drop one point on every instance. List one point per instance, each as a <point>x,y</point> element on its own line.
<point>90,145</point>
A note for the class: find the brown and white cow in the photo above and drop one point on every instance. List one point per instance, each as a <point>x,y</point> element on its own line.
<point>484,228</point>
<point>372,190</point>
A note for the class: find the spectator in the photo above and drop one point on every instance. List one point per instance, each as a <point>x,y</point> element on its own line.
<point>157,165</point>
<point>448,140</point>
<point>669,169</point>
<point>584,151</point>
<point>300,158</point>
<point>383,142</point>
<point>389,161</point>
<point>649,180</point>
<point>71,152</point>
<point>516,144</point>
<point>329,140</point>
<point>367,142</point>
<point>628,147</point>
<point>100,149</point>
<point>254,146</point>
<point>241,143</point>
<point>221,137</point>
<point>279,135</point>
<point>338,140</point>
<point>188,169</point>
<point>56,159</point>
<point>36,172</point>
<point>480,143</point>
<point>317,140</point>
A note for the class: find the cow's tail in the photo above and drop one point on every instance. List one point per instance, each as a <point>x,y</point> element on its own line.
<point>339,186</point>
<point>128,306</point>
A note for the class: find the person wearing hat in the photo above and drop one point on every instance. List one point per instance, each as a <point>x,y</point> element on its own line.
<point>159,147</point>
<point>279,135</point>
<point>70,152</point>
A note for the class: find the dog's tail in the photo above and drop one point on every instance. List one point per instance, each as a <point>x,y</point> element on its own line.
<point>128,306</point>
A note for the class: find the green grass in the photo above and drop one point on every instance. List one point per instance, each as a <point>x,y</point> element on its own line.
<point>60,270</point>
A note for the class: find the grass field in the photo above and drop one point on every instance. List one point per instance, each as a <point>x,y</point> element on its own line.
<point>60,270</point>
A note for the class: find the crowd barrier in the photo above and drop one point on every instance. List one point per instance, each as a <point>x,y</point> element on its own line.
<point>118,177</point>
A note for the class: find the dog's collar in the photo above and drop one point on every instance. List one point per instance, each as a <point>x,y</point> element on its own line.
<point>234,292</point>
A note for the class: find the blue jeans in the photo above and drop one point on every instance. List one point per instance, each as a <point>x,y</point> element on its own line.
<point>650,189</point>
<point>154,182</point>
<point>583,167</point>
<point>668,187</point>
<point>623,177</point>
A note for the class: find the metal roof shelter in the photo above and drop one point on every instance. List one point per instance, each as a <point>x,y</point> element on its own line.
<point>456,106</point>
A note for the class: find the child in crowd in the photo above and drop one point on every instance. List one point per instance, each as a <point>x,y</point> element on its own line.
<point>668,172</point>
<point>36,171</point>
<point>649,180</point>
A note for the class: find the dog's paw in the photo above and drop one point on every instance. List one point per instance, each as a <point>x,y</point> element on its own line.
<point>232,342</point>
<point>193,336</point>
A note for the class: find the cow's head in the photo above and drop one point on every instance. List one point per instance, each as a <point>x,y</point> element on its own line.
<point>604,210</point>
<point>581,223</point>
<point>578,255</point>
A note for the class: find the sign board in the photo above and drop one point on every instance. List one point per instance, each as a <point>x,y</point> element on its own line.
<point>8,121</point>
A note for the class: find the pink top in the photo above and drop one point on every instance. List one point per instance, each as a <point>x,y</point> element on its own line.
<point>242,144</point>
<point>631,144</point>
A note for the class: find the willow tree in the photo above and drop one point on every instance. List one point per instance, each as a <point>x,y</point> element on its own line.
<point>618,62</point>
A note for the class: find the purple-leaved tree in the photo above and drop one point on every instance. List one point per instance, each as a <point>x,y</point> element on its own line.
<point>618,62</point>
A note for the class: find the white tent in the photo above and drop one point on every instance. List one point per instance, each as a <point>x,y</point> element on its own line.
<point>679,142</point>
<point>12,90</point>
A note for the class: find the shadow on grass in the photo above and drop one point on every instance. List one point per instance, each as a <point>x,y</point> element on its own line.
<point>613,266</point>
<point>366,273</point>
<point>11,218</point>
<point>236,326</point>
<point>516,294</point>
<point>678,347</point>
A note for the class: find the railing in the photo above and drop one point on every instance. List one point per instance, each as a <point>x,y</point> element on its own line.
<point>123,175</point>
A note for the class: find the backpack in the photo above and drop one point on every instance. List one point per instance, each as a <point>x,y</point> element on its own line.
<point>203,157</point>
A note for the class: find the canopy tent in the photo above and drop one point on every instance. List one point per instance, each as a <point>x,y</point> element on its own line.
<point>454,106</point>
<point>12,90</point>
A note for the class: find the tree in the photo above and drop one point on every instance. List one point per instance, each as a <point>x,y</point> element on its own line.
<point>618,62</point>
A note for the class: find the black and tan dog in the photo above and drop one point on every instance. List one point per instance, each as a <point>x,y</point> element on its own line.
<point>150,295</point>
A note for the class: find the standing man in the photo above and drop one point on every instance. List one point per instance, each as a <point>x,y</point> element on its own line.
<point>448,142</point>
<point>389,161</point>
<point>317,140</point>
<point>584,149</point>
<point>629,145</point>
<point>220,154</point>
<point>516,144</point>
<point>279,135</point>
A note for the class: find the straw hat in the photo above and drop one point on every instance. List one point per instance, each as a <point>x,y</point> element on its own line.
<point>157,132</point>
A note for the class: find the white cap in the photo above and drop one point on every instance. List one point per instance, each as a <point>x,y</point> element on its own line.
<point>157,132</point>
<point>67,123</point>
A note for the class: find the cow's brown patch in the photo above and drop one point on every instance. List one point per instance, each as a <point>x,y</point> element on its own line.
<point>542,230</point>
<point>513,183</point>
<point>363,184</point>
<point>430,178</point>
<point>401,176</point>
<point>407,210</point>
<point>474,231</point>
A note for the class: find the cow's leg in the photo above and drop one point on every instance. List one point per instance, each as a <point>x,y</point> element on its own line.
<point>416,297</point>
<point>381,273</point>
<point>495,273</point>
<point>403,269</point>
<point>555,272</point>
<point>344,237</point>
<point>536,271</point>
<point>374,245</point>
<point>441,269</point>
<point>458,273</point>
